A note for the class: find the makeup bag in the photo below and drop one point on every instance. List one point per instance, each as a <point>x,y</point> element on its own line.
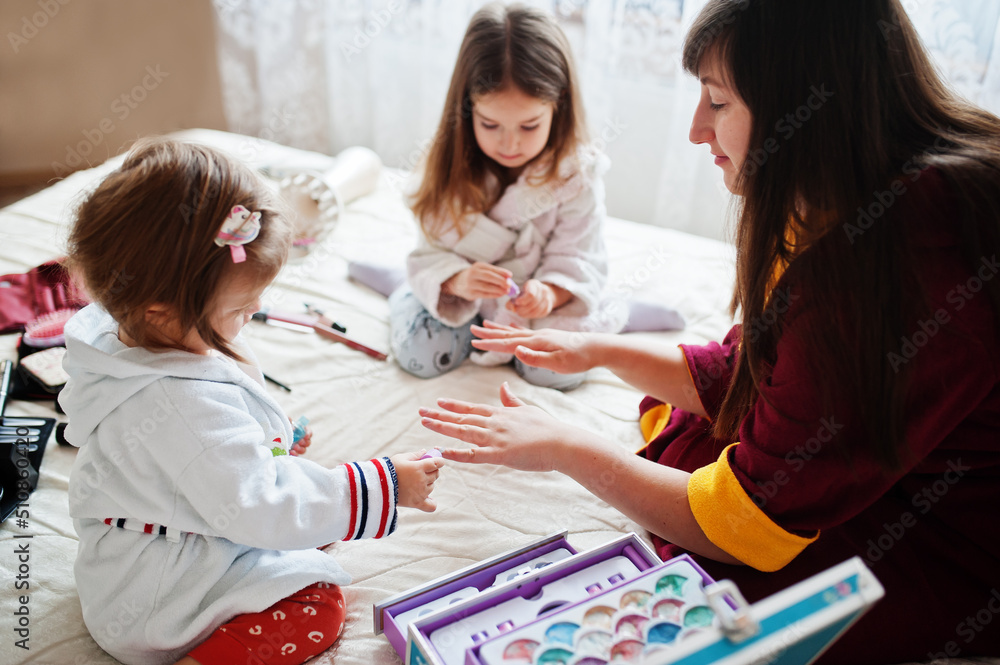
<point>42,290</point>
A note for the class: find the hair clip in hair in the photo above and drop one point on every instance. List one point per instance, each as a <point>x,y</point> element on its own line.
<point>240,227</point>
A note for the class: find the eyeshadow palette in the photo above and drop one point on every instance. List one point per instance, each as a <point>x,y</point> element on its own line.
<point>660,608</point>
<point>439,621</point>
<point>453,639</point>
<point>546,603</point>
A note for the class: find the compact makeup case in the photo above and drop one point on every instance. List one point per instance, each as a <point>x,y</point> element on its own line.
<point>22,444</point>
<point>547,603</point>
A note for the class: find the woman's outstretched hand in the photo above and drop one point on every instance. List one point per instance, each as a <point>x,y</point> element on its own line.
<point>558,350</point>
<point>514,435</point>
<point>526,438</point>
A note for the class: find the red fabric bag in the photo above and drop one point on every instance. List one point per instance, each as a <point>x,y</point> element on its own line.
<point>41,290</point>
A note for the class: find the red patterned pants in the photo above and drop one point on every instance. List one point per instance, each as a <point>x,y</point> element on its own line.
<point>289,632</point>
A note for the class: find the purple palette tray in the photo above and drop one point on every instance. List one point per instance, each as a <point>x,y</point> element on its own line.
<point>443,621</point>
<point>656,611</point>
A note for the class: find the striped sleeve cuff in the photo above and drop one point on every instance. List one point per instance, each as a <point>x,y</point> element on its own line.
<point>374,495</point>
<point>733,522</point>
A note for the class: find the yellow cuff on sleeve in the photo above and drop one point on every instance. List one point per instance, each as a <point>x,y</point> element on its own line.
<point>733,522</point>
<point>653,421</point>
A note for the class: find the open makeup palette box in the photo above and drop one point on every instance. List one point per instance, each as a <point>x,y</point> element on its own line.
<point>547,603</point>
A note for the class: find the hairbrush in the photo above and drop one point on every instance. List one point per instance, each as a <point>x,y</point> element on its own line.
<point>47,330</point>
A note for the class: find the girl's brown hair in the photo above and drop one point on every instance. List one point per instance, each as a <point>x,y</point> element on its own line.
<point>879,113</point>
<point>504,47</point>
<point>146,236</point>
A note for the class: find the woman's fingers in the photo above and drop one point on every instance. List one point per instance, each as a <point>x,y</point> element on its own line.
<point>480,422</point>
<point>471,423</point>
<point>462,432</point>
<point>486,331</point>
<point>524,352</point>
<point>532,357</point>
<point>502,345</point>
<point>507,396</point>
<point>493,325</point>
<point>469,455</point>
<point>506,342</point>
<point>483,335</point>
<point>458,406</point>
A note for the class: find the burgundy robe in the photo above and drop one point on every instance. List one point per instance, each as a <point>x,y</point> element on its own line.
<point>783,499</point>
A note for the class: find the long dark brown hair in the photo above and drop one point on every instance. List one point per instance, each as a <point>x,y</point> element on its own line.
<point>504,46</point>
<point>145,236</point>
<point>882,113</point>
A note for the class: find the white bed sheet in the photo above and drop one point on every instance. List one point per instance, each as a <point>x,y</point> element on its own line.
<point>361,408</point>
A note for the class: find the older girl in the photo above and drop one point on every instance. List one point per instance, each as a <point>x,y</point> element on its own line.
<point>511,203</point>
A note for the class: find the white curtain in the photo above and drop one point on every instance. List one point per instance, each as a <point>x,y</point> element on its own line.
<point>327,74</point>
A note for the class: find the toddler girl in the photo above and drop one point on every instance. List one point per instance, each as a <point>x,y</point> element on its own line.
<point>511,203</point>
<point>198,531</point>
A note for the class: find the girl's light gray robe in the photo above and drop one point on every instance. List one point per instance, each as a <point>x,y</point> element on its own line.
<point>194,444</point>
<point>551,232</point>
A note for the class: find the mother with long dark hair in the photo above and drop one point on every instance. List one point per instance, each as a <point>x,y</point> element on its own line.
<point>855,411</point>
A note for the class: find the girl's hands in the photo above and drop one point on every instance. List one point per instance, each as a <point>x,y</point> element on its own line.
<point>537,299</point>
<point>416,479</point>
<point>515,435</point>
<point>558,350</point>
<point>480,280</point>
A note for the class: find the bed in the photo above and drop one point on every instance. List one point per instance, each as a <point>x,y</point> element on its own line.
<point>360,407</point>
